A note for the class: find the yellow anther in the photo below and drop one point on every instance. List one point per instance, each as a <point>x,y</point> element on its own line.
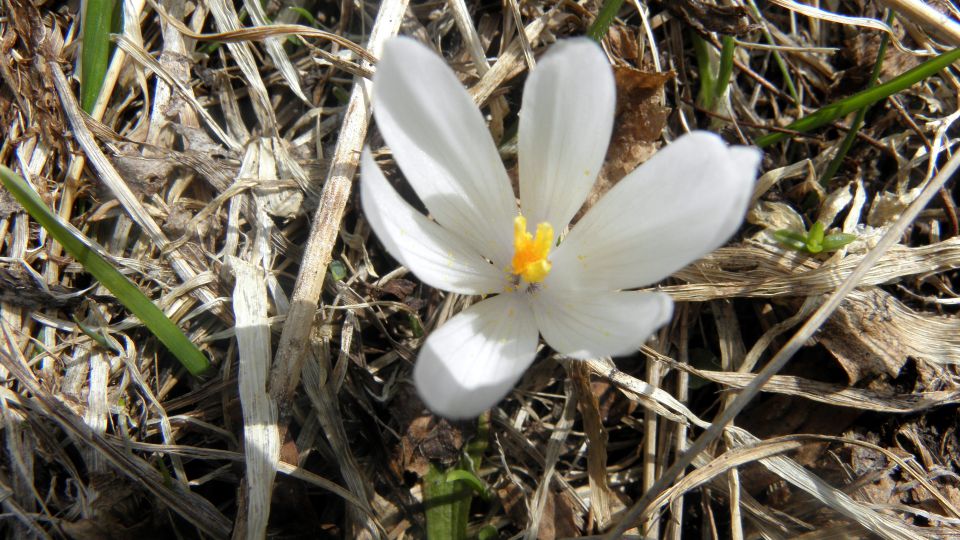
<point>530,252</point>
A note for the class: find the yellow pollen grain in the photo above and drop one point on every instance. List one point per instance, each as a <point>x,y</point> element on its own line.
<point>530,252</point>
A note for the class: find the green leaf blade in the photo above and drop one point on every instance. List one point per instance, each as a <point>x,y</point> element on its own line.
<point>122,288</point>
<point>98,20</point>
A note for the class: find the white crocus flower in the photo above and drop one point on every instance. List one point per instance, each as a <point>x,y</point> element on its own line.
<point>681,204</point>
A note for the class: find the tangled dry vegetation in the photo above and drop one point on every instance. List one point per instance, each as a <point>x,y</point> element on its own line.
<point>217,171</point>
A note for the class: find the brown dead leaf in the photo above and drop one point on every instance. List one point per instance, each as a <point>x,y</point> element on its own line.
<point>861,53</point>
<point>640,119</point>
<point>623,44</point>
<point>429,439</point>
<point>30,78</point>
<point>116,510</point>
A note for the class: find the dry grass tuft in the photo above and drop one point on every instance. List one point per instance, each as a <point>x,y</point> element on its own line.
<point>217,172</point>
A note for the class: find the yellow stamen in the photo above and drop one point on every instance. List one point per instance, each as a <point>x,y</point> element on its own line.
<point>530,252</point>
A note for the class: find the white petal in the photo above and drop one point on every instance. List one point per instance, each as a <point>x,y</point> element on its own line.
<point>439,258</point>
<point>565,125</point>
<point>441,143</point>
<point>472,361</point>
<point>588,324</point>
<point>681,204</point>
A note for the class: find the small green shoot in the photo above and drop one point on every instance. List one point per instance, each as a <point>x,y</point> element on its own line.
<point>415,326</point>
<point>866,98</point>
<point>122,288</point>
<point>100,18</point>
<point>713,86</point>
<point>814,241</point>
<point>488,532</point>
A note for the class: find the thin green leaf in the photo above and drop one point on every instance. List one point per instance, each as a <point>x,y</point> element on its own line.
<point>777,57</point>
<point>98,20</point>
<point>122,288</point>
<point>608,12</point>
<point>868,97</point>
<point>851,136</point>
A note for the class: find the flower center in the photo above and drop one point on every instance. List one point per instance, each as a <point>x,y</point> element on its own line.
<point>530,252</point>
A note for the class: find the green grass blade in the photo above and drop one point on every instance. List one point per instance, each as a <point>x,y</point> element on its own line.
<point>777,57</point>
<point>866,98</point>
<point>608,12</point>
<point>851,136</point>
<point>122,288</point>
<point>98,20</point>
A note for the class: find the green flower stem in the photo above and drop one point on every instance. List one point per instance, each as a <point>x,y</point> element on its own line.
<point>122,288</point>
<point>863,99</point>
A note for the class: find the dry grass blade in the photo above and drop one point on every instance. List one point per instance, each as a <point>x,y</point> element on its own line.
<point>333,201</point>
<point>144,59</point>
<point>222,157</point>
<point>227,20</point>
<point>768,271</point>
<point>832,394</point>
<point>195,509</point>
<point>932,20</point>
<point>118,186</point>
<point>260,435</point>
<point>890,237</point>
<point>265,31</point>
<point>275,50</point>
